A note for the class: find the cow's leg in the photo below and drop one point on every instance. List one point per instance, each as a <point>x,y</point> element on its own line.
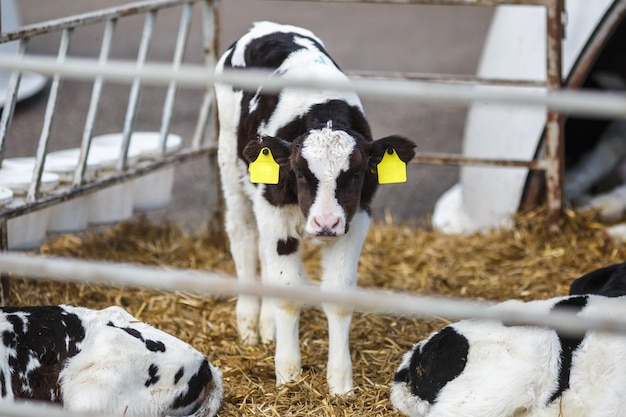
<point>266,319</point>
<point>240,223</point>
<point>339,261</point>
<point>242,233</point>
<point>280,247</point>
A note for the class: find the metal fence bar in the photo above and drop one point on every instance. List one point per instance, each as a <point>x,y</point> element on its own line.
<point>135,91</point>
<point>210,34</point>
<point>435,158</point>
<point>442,2</point>
<point>554,141</point>
<point>11,99</point>
<point>84,19</point>
<point>444,78</point>
<point>33,190</point>
<point>107,39</point>
<point>65,193</point>
<point>592,103</point>
<point>218,284</point>
<point>553,137</point>
<point>80,186</point>
<point>179,52</point>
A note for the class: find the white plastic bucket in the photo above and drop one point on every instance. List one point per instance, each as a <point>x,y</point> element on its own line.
<point>142,144</point>
<point>19,179</point>
<point>111,204</point>
<point>154,190</point>
<point>29,230</point>
<point>69,216</point>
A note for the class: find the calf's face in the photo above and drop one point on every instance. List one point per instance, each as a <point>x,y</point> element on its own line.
<point>332,173</point>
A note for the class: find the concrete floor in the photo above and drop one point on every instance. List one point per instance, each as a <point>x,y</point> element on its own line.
<point>419,38</point>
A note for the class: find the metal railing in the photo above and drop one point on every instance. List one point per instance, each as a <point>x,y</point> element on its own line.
<point>552,161</point>
<point>205,132</point>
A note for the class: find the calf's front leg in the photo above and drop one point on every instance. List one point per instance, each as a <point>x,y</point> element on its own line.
<point>283,266</point>
<point>340,261</point>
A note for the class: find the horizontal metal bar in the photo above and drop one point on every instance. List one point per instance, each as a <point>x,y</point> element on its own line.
<point>444,78</point>
<point>594,103</point>
<point>106,179</point>
<point>456,159</point>
<point>440,2</point>
<point>84,19</point>
<point>219,284</point>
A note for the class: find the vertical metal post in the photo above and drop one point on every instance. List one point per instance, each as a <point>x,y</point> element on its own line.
<point>179,52</point>
<point>207,119</point>
<point>11,99</point>
<point>133,100</point>
<point>554,144</point>
<point>33,189</point>
<point>211,32</point>
<point>79,173</point>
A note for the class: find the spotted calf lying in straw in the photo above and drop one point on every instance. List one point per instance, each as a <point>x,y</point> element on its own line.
<point>476,368</point>
<point>103,361</point>
<point>315,169</point>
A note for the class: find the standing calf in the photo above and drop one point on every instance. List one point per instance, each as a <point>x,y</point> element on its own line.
<point>475,368</point>
<point>324,169</point>
<point>103,361</point>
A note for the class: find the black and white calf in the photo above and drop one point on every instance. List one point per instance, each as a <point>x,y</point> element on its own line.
<point>103,361</point>
<point>475,368</point>
<point>326,173</point>
<point>609,281</point>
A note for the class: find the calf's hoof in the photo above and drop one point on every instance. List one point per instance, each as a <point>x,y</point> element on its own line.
<point>340,384</point>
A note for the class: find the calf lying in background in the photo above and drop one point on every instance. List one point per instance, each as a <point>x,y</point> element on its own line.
<point>609,281</point>
<point>102,361</point>
<point>316,168</point>
<point>604,164</point>
<point>476,368</point>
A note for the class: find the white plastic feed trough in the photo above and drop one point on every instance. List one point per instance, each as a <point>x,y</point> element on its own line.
<point>29,230</point>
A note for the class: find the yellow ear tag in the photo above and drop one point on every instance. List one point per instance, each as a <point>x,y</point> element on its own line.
<point>391,169</point>
<point>264,169</point>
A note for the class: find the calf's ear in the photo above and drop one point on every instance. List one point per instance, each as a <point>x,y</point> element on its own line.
<point>266,157</point>
<point>389,156</point>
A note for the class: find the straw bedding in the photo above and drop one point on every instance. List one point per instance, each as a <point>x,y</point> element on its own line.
<point>527,262</point>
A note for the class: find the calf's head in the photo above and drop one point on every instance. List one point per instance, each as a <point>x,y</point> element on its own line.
<point>329,173</point>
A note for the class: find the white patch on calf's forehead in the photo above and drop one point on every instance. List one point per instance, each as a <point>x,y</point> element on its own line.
<point>328,152</point>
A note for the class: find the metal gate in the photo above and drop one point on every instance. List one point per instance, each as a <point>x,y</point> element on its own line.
<point>82,182</point>
<point>551,159</point>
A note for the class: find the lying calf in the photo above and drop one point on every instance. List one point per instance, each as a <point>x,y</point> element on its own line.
<point>609,281</point>
<point>102,361</point>
<point>478,368</point>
